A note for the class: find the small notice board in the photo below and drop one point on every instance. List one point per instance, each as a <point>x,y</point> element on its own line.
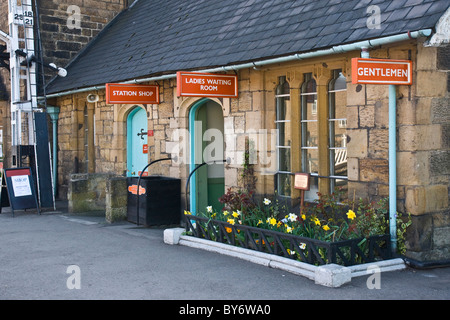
<point>21,189</point>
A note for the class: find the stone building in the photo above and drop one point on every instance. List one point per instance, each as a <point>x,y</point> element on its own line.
<point>65,28</point>
<point>296,103</point>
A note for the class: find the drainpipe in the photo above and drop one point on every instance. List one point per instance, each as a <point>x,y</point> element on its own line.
<point>392,159</point>
<point>299,56</point>
<point>393,166</point>
<point>54,114</point>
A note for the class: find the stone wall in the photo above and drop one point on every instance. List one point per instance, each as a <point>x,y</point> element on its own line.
<point>423,153</point>
<point>62,38</point>
<point>423,145</point>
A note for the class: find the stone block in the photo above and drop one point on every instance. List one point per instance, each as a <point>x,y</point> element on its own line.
<point>116,199</point>
<point>172,236</point>
<point>378,143</point>
<point>416,138</point>
<point>412,168</point>
<point>356,94</point>
<point>366,116</point>
<point>332,275</point>
<point>431,84</point>
<point>425,199</point>
<point>353,169</point>
<point>374,170</point>
<point>357,146</point>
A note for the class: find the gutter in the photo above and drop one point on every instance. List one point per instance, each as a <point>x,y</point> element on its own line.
<point>366,44</point>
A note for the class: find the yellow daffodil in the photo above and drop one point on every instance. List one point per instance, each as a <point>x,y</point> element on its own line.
<point>235,214</point>
<point>273,221</point>
<point>259,222</point>
<point>186,212</point>
<point>351,215</point>
<point>288,229</point>
<point>317,222</point>
<point>231,221</point>
<point>326,227</point>
<point>303,217</point>
<point>225,213</point>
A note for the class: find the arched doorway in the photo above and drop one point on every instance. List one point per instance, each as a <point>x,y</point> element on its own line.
<point>137,142</point>
<point>206,127</point>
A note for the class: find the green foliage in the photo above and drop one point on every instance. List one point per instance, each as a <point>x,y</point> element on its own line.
<point>325,219</point>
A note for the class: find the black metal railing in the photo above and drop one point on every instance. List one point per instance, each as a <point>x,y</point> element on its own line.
<point>312,251</point>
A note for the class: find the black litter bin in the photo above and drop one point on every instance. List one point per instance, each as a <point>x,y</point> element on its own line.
<point>159,200</point>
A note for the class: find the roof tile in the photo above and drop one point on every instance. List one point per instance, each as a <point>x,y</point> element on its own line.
<point>189,35</point>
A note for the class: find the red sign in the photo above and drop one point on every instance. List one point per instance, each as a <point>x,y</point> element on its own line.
<point>192,84</point>
<point>131,93</point>
<point>145,148</point>
<point>133,189</point>
<point>381,71</point>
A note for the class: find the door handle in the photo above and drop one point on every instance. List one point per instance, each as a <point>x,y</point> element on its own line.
<point>142,134</point>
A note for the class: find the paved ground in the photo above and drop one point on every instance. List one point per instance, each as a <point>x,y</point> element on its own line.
<point>123,261</point>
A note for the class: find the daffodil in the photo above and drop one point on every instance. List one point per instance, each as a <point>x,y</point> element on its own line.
<point>267,201</point>
<point>273,221</point>
<point>231,221</point>
<point>292,217</point>
<point>326,227</point>
<point>288,229</point>
<point>235,214</point>
<point>187,213</point>
<point>228,229</point>
<point>209,209</point>
<point>225,213</point>
<point>259,222</point>
<point>303,217</point>
<point>303,246</point>
<point>317,222</point>
<point>351,215</point>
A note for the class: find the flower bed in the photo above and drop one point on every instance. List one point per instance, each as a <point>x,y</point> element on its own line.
<point>326,232</point>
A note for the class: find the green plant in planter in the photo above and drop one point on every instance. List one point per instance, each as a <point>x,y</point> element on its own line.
<point>326,219</point>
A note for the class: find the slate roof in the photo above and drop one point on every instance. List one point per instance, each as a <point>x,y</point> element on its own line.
<point>155,37</point>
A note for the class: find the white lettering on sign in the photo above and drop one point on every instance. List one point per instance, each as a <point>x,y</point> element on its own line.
<point>132,93</point>
<point>195,81</point>
<point>124,93</point>
<point>380,72</point>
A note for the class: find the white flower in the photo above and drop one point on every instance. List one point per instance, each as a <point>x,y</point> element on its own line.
<point>209,209</point>
<point>267,201</point>
<point>302,246</point>
<point>292,217</point>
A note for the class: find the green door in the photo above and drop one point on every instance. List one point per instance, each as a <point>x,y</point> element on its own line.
<point>208,146</point>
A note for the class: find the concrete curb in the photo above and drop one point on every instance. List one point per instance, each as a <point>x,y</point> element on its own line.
<point>331,275</point>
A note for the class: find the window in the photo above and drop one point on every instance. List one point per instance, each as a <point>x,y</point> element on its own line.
<point>309,134</point>
<point>337,122</point>
<point>283,147</point>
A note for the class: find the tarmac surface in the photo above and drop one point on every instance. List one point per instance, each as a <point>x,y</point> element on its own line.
<point>122,261</point>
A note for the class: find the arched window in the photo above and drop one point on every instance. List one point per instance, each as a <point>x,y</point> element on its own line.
<point>283,112</point>
<point>309,134</point>
<point>337,122</point>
